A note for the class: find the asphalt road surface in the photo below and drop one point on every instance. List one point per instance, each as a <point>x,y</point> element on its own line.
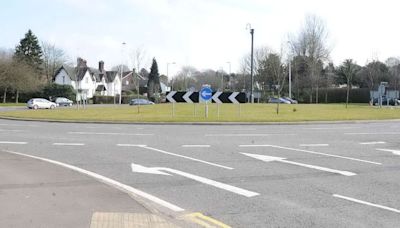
<point>311,175</point>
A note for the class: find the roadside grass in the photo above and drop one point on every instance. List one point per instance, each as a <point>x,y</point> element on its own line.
<point>227,113</point>
<point>12,104</point>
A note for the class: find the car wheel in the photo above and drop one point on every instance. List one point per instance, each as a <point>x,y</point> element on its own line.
<point>52,107</point>
<point>35,107</point>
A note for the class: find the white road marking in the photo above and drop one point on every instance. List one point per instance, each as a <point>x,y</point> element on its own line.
<point>373,133</point>
<point>243,135</point>
<point>314,145</point>
<point>19,125</point>
<point>330,128</point>
<point>395,152</point>
<point>313,152</point>
<point>12,130</point>
<point>199,146</point>
<point>8,142</point>
<point>282,160</point>
<point>159,170</point>
<point>372,143</point>
<point>177,155</point>
<point>132,145</point>
<point>107,133</point>
<point>68,144</point>
<point>366,203</point>
<point>118,185</point>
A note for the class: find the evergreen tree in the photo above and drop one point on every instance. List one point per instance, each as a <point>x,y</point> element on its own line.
<point>153,84</point>
<point>29,51</point>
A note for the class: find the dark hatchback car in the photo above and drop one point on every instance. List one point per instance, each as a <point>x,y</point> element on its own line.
<point>140,102</point>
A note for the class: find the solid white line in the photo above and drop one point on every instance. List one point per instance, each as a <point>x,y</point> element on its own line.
<point>199,146</point>
<point>107,133</point>
<point>373,133</point>
<point>313,152</point>
<point>395,152</point>
<point>108,181</point>
<point>345,173</point>
<point>330,128</point>
<point>220,185</point>
<point>243,135</point>
<point>372,143</point>
<point>311,145</point>
<point>182,156</point>
<point>68,144</point>
<point>366,203</point>
<point>131,145</point>
<point>8,142</point>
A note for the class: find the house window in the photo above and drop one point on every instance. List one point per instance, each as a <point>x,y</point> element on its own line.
<point>86,80</point>
<point>127,82</point>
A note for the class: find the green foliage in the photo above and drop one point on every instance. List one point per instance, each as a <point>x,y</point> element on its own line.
<point>338,95</point>
<point>55,90</point>
<point>29,51</point>
<point>114,100</point>
<point>153,84</point>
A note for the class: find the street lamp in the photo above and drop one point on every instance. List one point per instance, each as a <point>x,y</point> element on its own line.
<point>120,88</point>
<point>168,75</point>
<point>251,62</point>
<point>290,74</point>
<point>229,74</point>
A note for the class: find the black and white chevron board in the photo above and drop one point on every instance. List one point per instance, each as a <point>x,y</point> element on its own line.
<point>217,97</point>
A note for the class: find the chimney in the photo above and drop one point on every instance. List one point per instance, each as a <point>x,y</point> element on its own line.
<point>101,66</point>
<point>81,63</point>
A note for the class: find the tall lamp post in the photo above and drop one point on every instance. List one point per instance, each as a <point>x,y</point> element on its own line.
<point>230,83</point>
<point>251,62</point>
<point>290,74</point>
<point>120,88</point>
<point>168,74</point>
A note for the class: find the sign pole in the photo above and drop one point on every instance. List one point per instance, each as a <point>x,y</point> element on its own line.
<point>206,112</point>
<point>218,111</point>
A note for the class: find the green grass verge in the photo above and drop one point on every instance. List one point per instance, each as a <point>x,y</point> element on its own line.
<point>227,113</point>
<point>12,104</point>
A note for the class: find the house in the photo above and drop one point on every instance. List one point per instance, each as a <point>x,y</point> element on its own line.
<point>88,81</point>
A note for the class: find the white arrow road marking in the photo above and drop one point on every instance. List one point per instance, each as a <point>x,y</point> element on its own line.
<point>215,97</point>
<point>170,95</point>
<point>122,187</point>
<point>68,144</point>
<point>372,143</point>
<point>278,159</point>
<point>313,152</point>
<point>177,155</point>
<point>232,97</point>
<point>186,97</point>
<point>366,203</point>
<point>395,152</point>
<point>154,170</point>
<point>8,142</point>
<point>106,133</point>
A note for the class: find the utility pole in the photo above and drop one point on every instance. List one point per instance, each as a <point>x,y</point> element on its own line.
<point>290,77</point>
<point>168,75</point>
<point>251,66</point>
<point>120,89</point>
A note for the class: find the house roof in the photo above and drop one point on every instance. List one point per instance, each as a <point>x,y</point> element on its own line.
<point>69,70</point>
<point>101,88</point>
<point>110,75</point>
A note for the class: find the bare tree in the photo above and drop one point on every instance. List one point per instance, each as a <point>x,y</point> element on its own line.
<point>348,70</point>
<point>311,43</point>
<point>53,58</point>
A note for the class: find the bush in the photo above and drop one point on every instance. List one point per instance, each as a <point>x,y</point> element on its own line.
<point>54,90</point>
<point>338,95</point>
<point>115,99</point>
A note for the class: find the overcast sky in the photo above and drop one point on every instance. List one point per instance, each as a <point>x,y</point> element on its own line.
<point>205,34</point>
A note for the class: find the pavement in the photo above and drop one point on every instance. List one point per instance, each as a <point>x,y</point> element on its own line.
<point>305,175</point>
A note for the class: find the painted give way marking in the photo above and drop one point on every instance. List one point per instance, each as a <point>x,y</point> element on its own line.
<point>165,171</point>
<point>282,160</point>
<point>120,186</point>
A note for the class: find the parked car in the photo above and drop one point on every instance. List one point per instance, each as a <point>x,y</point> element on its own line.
<point>384,101</point>
<point>62,101</point>
<point>36,103</point>
<point>292,101</point>
<point>140,102</point>
<point>279,100</point>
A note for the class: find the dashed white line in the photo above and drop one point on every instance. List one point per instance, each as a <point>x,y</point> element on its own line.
<point>314,145</point>
<point>125,188</point>
<point>107,133</point>
<point>395,152</point>
<point>177,155</point>
<point>8,142</point>
<point>131,145</point>
<point>313,152</point>
<point>68,144</point>
<point>196,146</point>
<point>244,135</point>
<point>373,133</point>
<point>372,143</point>
<point>366,203</point>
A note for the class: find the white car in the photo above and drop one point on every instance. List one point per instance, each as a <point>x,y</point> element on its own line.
<point>36,103</point>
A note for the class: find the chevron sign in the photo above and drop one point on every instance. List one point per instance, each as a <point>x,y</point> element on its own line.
<point>217,97</point>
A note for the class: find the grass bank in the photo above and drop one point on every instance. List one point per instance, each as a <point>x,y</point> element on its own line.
<point>227,113</point>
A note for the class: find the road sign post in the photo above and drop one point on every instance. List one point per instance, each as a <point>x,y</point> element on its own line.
<point>205,96</point>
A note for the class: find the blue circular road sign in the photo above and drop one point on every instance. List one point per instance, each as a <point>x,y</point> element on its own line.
<point>206,93</point>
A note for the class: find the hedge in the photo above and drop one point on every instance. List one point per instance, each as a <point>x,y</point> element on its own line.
<point>115,99</point>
